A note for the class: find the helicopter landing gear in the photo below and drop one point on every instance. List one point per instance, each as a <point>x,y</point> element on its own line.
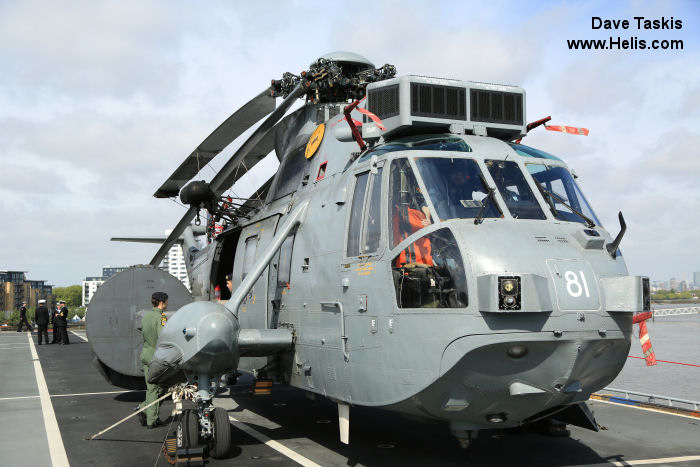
<point>222,433</point>
<point>188,429</point>
<point>202,425</point>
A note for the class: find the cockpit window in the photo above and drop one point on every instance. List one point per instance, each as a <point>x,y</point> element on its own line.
<point>514,189</point>
<point>429,273</point>
<point>559,190</point>
<point>527,151</point>
<point>423,142</point>
<point>408,211</point>
<point>456,187</point>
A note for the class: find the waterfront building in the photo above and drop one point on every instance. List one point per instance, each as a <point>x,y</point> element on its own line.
<point>673,284</point>
<point>15,288</point>
<point>174,263</point>
<point>90,285</point>
<point>696,278</point>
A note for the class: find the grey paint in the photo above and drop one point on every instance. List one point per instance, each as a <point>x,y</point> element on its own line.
<point>444,363</point>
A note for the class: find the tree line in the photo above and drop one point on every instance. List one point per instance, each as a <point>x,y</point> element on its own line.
<point>71,294</point>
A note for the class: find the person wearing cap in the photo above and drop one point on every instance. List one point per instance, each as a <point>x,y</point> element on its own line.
<point>23,318</point>
<point>42,321</point>
<point>151,325</point>
<point>229,282</point>
<point>62,323</point>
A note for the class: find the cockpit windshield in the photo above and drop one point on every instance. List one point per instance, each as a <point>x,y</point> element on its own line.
<point>562,193</point>
<point>514,189</point>
<point>456,187</point>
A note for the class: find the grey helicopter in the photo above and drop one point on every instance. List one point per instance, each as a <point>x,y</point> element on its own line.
<point>409,254</point>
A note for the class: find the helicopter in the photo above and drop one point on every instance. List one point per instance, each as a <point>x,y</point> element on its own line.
<point>409,254</point>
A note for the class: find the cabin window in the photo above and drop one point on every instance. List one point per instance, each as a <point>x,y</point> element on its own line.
<point>284,265</point>
<point>429,273</point>
<point>251,247</point>
<point>364,232</point>
<point>514,189</point>
<point>408,211</point>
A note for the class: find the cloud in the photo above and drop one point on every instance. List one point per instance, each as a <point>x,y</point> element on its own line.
<point>101,101</point>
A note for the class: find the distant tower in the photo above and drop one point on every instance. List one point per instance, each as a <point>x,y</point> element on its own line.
<point>673,284</point>
<point>174,263</point>
<point>696,278</point>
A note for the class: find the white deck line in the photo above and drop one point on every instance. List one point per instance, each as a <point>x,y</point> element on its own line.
<point>79,336</point>
<point>57,450</point>
<point>277,446</point>
<point>648,409</point>
<point>661,460</point>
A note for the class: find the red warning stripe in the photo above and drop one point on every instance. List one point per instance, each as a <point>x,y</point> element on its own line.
<point>646,344</point>
<point>572,130</point>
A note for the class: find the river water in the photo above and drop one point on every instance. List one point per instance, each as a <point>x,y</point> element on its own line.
<point>675,339</point>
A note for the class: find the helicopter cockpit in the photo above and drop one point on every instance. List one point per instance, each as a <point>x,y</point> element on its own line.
<point>435,183</point>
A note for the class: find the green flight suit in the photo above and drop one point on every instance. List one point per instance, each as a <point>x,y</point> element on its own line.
<point>151,325</point>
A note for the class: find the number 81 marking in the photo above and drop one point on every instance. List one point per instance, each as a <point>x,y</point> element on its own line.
<point>573,286</point>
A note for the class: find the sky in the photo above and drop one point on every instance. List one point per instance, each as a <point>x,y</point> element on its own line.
<point>101,101</point>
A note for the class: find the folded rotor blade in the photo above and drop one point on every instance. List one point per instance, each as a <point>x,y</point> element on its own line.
<point>227,176</point>
<point>229,130</point>
<point>174,235</point>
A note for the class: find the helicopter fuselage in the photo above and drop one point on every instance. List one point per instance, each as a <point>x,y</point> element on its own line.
<point>483,308</point>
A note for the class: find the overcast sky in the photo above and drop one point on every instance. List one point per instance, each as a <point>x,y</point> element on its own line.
<point>100,101</point>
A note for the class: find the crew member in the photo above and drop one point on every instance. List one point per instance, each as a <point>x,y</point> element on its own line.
<point>23,318</point>
<point>55,334</point>
<point>62,323</point>
<point>151,325</point>
<point>229,282</point>
<point>42,321</point>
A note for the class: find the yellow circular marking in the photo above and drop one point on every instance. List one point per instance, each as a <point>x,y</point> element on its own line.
<point>315,141</point>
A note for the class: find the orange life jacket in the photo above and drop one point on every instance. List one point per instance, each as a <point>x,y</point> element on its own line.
<point>418,252</point>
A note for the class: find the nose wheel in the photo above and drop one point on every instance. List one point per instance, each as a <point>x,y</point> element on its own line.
<point>222,433</point>
<point>202,426</point>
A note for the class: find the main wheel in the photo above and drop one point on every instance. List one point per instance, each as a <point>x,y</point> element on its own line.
<point>222,433</point>
<point>189,428</point>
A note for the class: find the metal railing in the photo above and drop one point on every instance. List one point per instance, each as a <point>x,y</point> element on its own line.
<point>655,398</point>
<point>691,310</point>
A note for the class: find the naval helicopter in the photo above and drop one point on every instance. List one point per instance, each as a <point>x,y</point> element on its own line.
<point>410,254</point>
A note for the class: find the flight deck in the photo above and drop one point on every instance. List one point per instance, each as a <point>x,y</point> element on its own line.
<point>52,398</point>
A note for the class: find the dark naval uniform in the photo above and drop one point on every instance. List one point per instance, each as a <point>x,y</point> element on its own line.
<point>42,322</point>
<point>61,323</point>
<point>23,319</point>
<point>151,325</point>
<point>56,334</point>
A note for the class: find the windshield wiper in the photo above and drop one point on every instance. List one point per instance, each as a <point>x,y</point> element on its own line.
<point>484,202</point>
<point>548,195</point>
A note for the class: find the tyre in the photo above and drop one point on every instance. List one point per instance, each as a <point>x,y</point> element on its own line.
<point>189,427</point>
<point>222,433</point>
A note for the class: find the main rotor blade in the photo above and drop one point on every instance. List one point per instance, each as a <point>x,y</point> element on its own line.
<point>227,176</point>
<point>174,236</point>
<point>229,130</point>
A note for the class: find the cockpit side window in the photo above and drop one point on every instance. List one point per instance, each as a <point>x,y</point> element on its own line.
<point>514,189</point>
<point>408,210</point>
<point>429,273</point>
<point>364,232</point>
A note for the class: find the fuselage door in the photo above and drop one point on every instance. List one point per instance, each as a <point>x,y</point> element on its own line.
<point>253,243</point>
